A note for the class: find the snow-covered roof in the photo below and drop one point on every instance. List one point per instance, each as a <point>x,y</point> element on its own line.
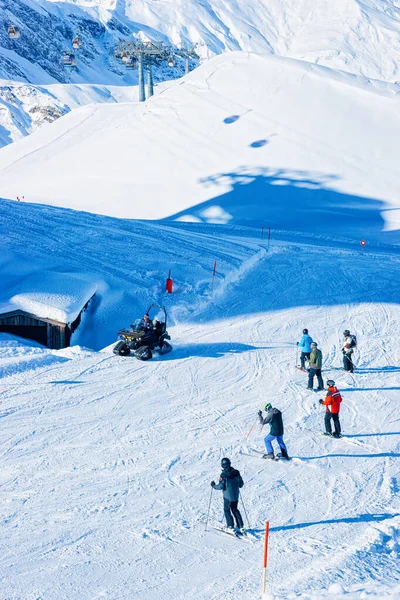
<point>49,295</point>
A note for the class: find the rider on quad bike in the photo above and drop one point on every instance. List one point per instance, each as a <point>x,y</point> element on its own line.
<point>144,336</point>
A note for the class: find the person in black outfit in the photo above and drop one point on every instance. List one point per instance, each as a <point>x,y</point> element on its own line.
<point>230,482</point>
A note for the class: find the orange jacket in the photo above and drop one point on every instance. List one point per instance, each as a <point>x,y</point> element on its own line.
<point>332,400</point>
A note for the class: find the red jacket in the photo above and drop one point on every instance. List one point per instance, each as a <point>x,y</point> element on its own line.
<point>332,400</point>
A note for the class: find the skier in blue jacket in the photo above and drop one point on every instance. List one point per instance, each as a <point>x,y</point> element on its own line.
<point>305,347</point>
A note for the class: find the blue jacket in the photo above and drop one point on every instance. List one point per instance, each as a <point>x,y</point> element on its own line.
<point>304,343</point>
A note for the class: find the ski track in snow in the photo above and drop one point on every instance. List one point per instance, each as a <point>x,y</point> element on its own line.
<point>106,461</point>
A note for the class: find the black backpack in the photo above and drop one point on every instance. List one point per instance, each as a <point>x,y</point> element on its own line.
<point>353,343</point>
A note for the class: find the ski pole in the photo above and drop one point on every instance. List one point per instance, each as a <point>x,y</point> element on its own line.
<point>297,356</point>
<point>208,512</point>
<point>251,429</point>
<point>245,511</point>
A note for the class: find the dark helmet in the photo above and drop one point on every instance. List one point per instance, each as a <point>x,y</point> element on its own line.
<point>305,330</point>
<point>268,406</point>
<point>330,383</point>
<point>314,344</point>
<point>346,332</point>
<point>225,463</point>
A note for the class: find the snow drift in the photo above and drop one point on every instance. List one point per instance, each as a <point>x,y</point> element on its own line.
<point>243,139</point>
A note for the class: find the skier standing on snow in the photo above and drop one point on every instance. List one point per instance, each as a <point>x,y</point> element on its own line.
<point>315,367</point>
<point>230,482</point>
<point>305,348</point>
<point>274,418</point>
<point>349,343</point>
<point>332,402</point>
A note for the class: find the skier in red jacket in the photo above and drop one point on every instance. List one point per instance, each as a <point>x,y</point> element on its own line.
<point>332,402</point>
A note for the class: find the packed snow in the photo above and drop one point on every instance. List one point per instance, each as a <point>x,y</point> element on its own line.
<point>209,150</point>
<point>107,461</point>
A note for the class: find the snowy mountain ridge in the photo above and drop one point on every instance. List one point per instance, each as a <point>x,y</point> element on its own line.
<point>362,38</point>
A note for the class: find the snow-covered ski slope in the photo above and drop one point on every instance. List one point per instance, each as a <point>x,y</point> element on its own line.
<point>106,461</point>
<point>243,139</point>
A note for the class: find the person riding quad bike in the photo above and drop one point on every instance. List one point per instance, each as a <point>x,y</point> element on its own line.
<point>144,337</point>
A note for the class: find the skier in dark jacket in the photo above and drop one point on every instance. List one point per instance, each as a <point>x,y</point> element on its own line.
<point>274,418</point>
<point>230,482</point>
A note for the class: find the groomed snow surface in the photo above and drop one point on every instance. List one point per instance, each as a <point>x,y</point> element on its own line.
<point>241,140</point>
<point>107,461</point>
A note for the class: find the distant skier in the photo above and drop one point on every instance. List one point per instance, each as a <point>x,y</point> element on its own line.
<point>349,343</point>
<point>315,367</point>
<point>230,482</point>
<point>332,402</point>
<point>274,418</point>
<point>305,348</point>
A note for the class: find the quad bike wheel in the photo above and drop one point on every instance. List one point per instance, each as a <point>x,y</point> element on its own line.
<point>143,353</point>
<point>165,348</point>
<point>122,349</point>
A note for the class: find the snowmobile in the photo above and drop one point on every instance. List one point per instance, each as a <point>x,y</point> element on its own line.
<point>142,339</point>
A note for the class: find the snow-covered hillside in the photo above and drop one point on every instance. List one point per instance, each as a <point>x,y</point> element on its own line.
<point>243,139</point>
<point>107,462</point>
<point>361,38</point>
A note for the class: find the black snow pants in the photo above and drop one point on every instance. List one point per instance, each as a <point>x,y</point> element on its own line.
<point>230,508</point>
<point>311,374</point>
<point>348,363</point>
<point>335,418</point>
<point>303,357</point>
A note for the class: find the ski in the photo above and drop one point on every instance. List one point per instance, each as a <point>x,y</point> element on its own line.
<point>260,454</point>
<point>234,534</point>
<point>300,369</point>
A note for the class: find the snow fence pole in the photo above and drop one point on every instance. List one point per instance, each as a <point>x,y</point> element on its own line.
<point>208,512</point>
<point>265,557</point>
<point>213,275</point>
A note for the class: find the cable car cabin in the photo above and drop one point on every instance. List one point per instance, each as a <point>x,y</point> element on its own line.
<point>13,32</point>
<point>131,63</point>
<point>76,42</point>
<point>69,60</point>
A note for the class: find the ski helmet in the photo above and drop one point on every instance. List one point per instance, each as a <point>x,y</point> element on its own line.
<point>330,383</point>
<point>268,406</point>
<point>305,331</point>
<point>314,344</point>
<point>346,332</point>
<point>225,463</point>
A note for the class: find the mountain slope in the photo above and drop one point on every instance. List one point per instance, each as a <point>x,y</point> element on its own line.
<point>107,462</point>
<point>362,38</point>
<point>262,141</point>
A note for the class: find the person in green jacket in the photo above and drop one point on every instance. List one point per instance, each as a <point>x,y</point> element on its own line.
<point>315,367</point>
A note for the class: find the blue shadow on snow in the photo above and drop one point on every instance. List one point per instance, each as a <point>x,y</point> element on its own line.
<point>363,518</point>
<point>290,200</point>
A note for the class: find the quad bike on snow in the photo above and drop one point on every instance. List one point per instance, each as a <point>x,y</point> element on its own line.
<point>142,339</point>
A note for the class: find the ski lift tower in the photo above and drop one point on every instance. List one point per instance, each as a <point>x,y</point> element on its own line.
<point>187,53</point>
<point>144,53</point>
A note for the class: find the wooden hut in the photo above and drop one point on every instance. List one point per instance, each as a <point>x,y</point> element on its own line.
<point>47,308</point>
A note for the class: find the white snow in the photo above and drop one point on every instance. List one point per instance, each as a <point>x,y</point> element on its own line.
<point>243,139</point>
<point>107,462</point>
<point>48,295</point>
